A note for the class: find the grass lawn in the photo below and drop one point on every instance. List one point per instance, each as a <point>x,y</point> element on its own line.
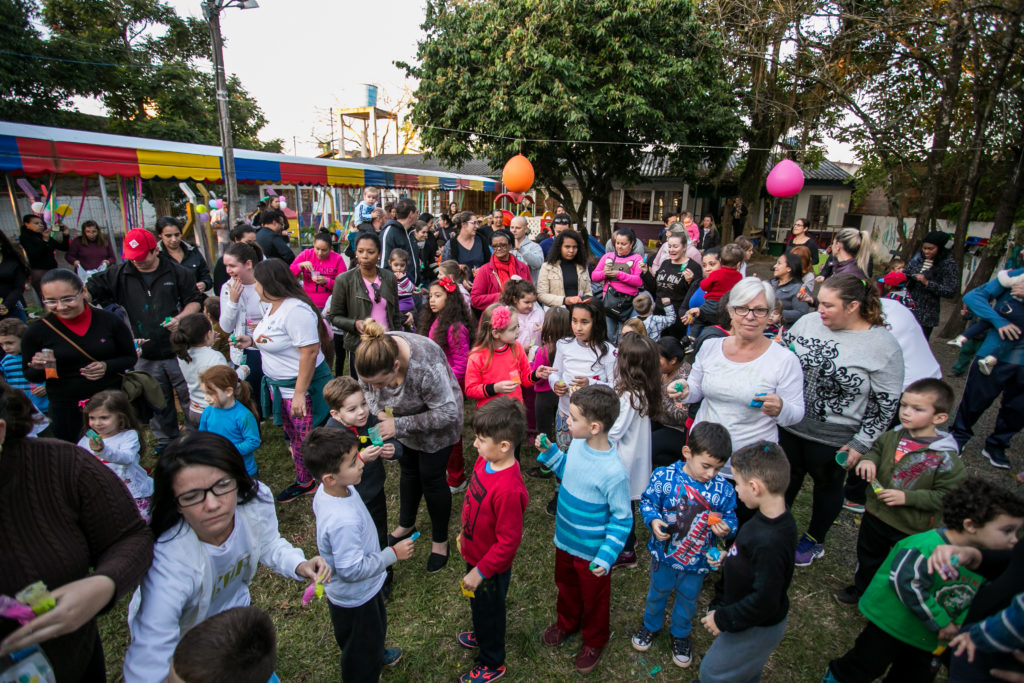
<point>427,611</point>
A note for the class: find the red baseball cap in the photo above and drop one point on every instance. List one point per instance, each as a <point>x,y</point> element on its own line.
<point>894,279</point>
<point>137,243</point>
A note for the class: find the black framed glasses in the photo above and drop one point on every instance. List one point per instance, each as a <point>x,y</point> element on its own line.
<point>501,246</point>
<point>743,311</point>
<point>197,496</point>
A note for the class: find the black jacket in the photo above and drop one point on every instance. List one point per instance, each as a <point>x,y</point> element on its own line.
<point>395,236</point>
<point>41,254</point>
<point>172,289</point>
<point>274,245</point>
<point>709,240</point>
<point>193,261</point>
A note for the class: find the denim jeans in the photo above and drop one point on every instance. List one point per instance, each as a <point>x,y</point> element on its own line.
<point>665,580</point>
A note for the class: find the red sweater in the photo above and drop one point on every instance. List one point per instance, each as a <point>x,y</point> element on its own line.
<point>492,518</point>
<point>484,370</point>
<point>719,283</point>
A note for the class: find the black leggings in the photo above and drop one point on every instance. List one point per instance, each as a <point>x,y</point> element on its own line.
<point>819,461</point>
<point>423,476</point>
<point>545,405</point>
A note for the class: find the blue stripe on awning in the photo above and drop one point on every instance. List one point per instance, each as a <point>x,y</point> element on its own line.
<point>10,157</point>
<point>257,170</point>
<point>378,178</point>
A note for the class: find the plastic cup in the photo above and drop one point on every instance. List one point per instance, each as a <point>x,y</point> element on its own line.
<point>841,458</point>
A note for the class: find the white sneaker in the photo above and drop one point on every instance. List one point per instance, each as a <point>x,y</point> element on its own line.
<point>458,489</point>
<point>957,341</point>
<point>986,364</point>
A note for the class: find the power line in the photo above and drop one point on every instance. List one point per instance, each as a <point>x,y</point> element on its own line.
<point>87,63</point>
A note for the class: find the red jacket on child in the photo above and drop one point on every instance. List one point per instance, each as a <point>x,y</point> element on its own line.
<point>719,283</point>
<point>492,518</point>
<point>484,369</point>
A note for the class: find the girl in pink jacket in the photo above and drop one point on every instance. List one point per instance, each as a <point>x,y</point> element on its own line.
<point>619,270</point>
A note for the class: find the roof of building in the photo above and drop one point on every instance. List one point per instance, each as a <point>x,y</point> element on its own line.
<point>655,166</point>
<point>420,163</point>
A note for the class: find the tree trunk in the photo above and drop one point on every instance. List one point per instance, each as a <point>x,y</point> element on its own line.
<point>751,181</point>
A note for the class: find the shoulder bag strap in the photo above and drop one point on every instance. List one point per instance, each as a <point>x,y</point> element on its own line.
<point>65,338</point>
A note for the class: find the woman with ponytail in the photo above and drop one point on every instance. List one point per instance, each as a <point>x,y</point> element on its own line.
<point>851,253</point>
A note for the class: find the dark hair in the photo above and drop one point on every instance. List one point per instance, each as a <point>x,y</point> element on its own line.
<point>17,411</point>
<point>61,275</point>
<point>557,325</point>
<point>732,255</point>
<point>597,403</point>
<point>244,252</point>
<point>639,374</point>
<point>164,221</point>
<point>598,341</point>
<point>12,327</point>
<point>277,281</point>
<point>555,255</point>
<point>713,251</point>
<point>114,401</point>
<point>460,218</point>
<point>273,216</point>
<point>665,218</point>
<point>671,348</point>
<point>502,419</point>
<point>324,236</point>
<point>325,448</point>
<point>850,288</point>
<point>377,350</point>
<point>211,307</point>
<point>224,377</point>
<point>514,290</point>
<point>9,251</point>
<point>627,233</point>
<point>805,221</point>
<point>561,219</point>
<point>191,331</point>
<point>364,236</point>
<point>339,389</point>
<point>941,393</point>
<point>710,438</point>
<point>404,207</point>
<point>29,216</point>
<point>239,644</point>
<point>239,231</point>
<point>795,264</point>
<point>194,448</point>
<point>399,255</point>
<point>766,461</point>
<point>101,239</point>
<point>453,314</point>
<point>980,501</point>
<point>503,233</point>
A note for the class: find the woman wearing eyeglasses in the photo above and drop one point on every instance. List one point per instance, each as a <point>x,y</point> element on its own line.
<point>466,246</point>
<point>367,291</point>
<point>92,349</point>
<point>493,275</point>
<point>214,526</point>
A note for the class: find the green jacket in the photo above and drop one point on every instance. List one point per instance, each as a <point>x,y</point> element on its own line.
<point>350,302</point>
<point>910,604</point>
<point>925,475</point>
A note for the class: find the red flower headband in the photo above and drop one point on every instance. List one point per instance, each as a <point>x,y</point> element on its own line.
<point>447,284</point>
<point>501,317</point>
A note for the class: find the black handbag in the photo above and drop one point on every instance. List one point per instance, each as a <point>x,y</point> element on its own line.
<point>617,305</point>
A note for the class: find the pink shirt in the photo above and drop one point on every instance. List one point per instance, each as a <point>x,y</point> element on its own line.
<point>378,309</point>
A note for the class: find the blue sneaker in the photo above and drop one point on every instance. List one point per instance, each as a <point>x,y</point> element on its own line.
<point>996,458</point>
<point>392,655</point>
<point>467,639</point>
<point>807,551</point>
<point>482,674</point>
<point>828,677</point>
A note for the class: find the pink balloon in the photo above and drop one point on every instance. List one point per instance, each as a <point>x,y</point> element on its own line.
<point>785,180</point>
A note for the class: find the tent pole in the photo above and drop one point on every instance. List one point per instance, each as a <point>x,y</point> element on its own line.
<point>14,202</point>
<point>106,215</point>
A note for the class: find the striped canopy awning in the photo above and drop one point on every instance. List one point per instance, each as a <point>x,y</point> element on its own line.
<point>39,150</point>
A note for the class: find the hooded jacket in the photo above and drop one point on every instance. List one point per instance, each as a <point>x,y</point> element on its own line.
<point>193,261</point>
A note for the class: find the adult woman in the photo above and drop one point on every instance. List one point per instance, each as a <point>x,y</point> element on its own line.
<point>14,271</point>
<point>851,253</point>
<point>40,248</point>
<point>931,274</point>
<point>243,232</point>
<point>788,281</point>
<point>525,249</point>
<point>493,275</point>
<point>799,238</point>
<point>453,208</point>
<point>564,279</point>
<point>668,435</point>
<point>406,375</point>
<point>90,251</point>
<point>465,246</point>
<point>709,235</point>
<point>295,350</point>
<point>689,248</point>
<point>853,376</point>
<point>241,308</point>
<point>317,268</point>
<point>269,203</point>
<point>68,521</point>
<point>92,347</point>
<point>364,292</point>
<point>172,247</point>
<point>678,276</point>
<point>620,272</point>
<point>215,525</point>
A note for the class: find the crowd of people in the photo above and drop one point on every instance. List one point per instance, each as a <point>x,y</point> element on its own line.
<point>677,385</point>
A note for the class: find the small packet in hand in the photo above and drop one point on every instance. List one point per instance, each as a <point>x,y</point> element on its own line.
<point>754,403</point>
<point>714,518</point>
<point>313,590</point>
<point>466,591</point>
<point>375,438</point>
<point>876,486</point>
<point>389,411</point>
<point>714,554</point>
<point>36,596</point>
<point>545,443</point>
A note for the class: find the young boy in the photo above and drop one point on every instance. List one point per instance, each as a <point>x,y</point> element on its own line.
<point>910,612</point>
<point>721,280</point>
<point>678,506</point>
<point>11,332</point>
<point>750,618</point>
<point>364,209</point>
<point>239,644</point>
<point>910,469</point>
<point>492,528</point>
<point>348,542</point>
<point>643,304</point>
<point>593,519</point>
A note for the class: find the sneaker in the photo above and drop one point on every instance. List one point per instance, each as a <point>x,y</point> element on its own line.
<point>482,673</point>
<point>642,639</point>
<point>586,660</point>
<point>539,472</point>
<point>625,560</point>
<point>554,636</point>
<point>807,551</point>
<point>458,489</point>
<point>957,341</point>
<point>996,459</point>
<point>467,639</point>
<point>296,491</point>
<point>552,507</point>
<point>986,364</point>
<point>681,652</point>
<point>856,508</point>
<point>392,655</point>
<point>436,562</point>
<point>847,596</point>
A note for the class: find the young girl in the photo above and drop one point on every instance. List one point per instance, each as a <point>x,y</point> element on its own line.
<point>399,261</point>
<point>498,364</point>
<point>522,296</point>
<point>458,274</point>
<point>113,437</point>
<point>231,412</point>
<point>748,253</point>
<point>638,384</point>
<point>556,326</point>
<point>192,342</point>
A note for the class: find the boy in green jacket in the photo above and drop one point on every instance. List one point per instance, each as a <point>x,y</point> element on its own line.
<point>910,469</point>
<point>913,614</point>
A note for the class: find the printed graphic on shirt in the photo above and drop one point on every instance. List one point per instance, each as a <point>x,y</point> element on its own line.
<point>829,388</point>
<point>233,574</point>
<point>477,492</point>
<point>688,527</point>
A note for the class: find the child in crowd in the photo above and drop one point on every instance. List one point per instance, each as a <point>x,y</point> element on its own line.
<point>348,542</point>
<point>992,346</point>
<point>364,209</point>
<point>910,469</point>
<point>398,261</point>
<point>774,329</point>
<point>1002,632</point>
<point>521,296</point>
<point>895,265</point>
<point>747,247</point>
<point>749,619</point>
<point>113,437</point>
<point>11,332</point>
<point>239,644</point>
<point>638,386</point>
<point>634,325</point>
<point>231,412</point>
<point>349,411</point>
<point>556,326</point>
<point>458,274</point>
<point>643,304</point>
<point>222,341</point>
<point>492,529</point>
<point>498,364</point>
<point>686,505</point>
<point>894,286</point>
<point>912,613</point>
<point>592,523</point>
<point>714,286</point>
<point>192,341</point>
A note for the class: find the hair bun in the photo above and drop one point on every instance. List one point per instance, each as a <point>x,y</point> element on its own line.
<point>372,330</point>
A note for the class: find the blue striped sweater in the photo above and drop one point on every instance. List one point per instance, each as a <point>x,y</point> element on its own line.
<point>594,516</point>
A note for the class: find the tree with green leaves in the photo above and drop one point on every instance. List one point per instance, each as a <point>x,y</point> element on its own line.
<point>583,88</point>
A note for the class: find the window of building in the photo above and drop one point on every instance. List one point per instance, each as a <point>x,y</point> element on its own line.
<point>666,202</point>
<point>636,205</point>
<point>818,210</point>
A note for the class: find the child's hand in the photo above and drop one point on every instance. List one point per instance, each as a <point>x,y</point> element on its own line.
<point>658,529</point>
<point>408,319</point>
<point>892,497</point>
<point>691,315</point>
<point>386,426</point>
<point>819,279</point>
<point>387,451</point>
<point>403,549</point>
<point>544,371</point>
<point>942,557</point>
<point>771,404</point>
<point>721,529</point>
<point>315,568</point>
<point>866,470</point>
<point>39,390</point>
<point>538,443</point>
<point>709,623</point>
<point>96,444</point>
<point>715,564</point>
<point>581,382</point>
<point>560,388</point>
<point>961,643</point>
<point>371,453</point>
<point>473,579</point>
<point>505,386</point>
<point>597,570</point>
<point>948,632</point>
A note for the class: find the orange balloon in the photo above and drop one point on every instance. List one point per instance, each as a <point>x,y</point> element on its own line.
<point>518,174</point>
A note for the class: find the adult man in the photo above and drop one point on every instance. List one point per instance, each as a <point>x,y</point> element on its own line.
<point>525,249</point>
<point>270,238</point>
<point>156,293</point>
<point>559,223</point>
<point>396,236</point>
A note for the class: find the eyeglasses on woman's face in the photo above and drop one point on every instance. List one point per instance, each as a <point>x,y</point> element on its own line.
<point>197,496</point>
<point>63,301</point>
<point>744,311</point>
